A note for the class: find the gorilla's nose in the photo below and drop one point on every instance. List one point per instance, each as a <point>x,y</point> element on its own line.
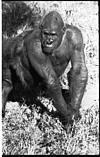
<point>49,41</point>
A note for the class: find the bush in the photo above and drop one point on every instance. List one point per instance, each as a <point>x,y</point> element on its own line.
<point>15,15</point>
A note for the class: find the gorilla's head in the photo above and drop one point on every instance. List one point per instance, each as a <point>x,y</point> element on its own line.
<point>52,30</point>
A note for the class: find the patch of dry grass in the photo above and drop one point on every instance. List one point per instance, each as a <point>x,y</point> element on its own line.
<point>29,132</point>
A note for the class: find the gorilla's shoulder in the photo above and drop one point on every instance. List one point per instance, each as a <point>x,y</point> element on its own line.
<point>32,35</point>
<point>14,45</point>
<point>74,34</point>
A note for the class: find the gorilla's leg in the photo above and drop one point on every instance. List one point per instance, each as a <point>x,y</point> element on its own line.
<point>7,87</point>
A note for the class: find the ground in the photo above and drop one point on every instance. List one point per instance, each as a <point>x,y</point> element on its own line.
<point>30,132</point>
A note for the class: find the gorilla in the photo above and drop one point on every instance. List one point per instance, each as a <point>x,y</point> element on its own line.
<point>40,57</point>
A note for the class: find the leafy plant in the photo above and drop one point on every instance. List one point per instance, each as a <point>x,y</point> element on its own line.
<point>16,14</point>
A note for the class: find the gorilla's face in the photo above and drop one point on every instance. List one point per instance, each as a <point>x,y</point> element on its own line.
<point>51,34</point>
<point>51,39</point>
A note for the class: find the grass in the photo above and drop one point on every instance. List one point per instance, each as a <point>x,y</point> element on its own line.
<point>28,132</point>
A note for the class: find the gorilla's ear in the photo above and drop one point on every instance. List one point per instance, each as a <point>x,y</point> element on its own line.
<point>40,26</point>
<point>63,30</point>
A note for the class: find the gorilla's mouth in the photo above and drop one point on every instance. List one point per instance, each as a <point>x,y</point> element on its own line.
<point>47,47</point>
<point>49,44</point>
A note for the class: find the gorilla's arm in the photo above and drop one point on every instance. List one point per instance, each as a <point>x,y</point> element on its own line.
<point>41,63</point>
<point>78,74</point>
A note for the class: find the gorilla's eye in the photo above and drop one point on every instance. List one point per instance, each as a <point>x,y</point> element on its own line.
<point>46,33</point>
<point>53,34</point>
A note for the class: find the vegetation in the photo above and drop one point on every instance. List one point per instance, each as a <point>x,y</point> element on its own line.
<point>17,15</point>
<point>30,132</point>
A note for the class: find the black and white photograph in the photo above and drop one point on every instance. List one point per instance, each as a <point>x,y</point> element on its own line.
<point>50,78</point>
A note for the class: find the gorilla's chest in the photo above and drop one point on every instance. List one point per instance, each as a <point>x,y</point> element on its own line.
<point>61,55</point>
<point>60,59</point>
<point>57,60</point>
